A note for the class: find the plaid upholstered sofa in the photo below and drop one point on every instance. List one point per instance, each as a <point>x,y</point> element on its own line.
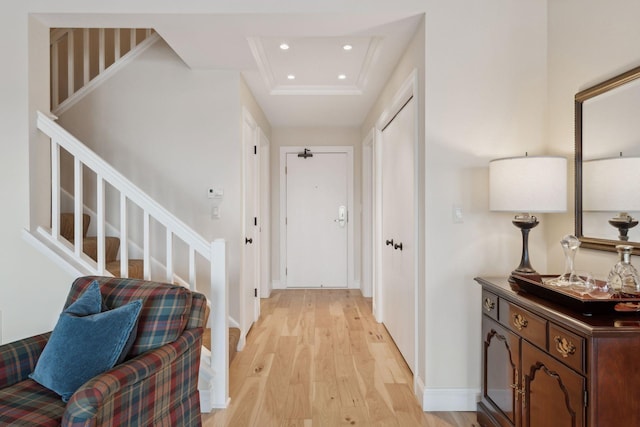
<point>156,385</point>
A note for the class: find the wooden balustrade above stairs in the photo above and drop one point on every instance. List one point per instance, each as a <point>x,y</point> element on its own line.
<point>89,247</point>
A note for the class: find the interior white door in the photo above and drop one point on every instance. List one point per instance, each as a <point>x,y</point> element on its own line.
<point>264,219</point>
<point>316,220</point>
<point>398,250</point>
<point>250,307</point>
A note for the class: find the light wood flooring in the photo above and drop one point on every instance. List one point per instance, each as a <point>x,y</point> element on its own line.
<point>318,358</point>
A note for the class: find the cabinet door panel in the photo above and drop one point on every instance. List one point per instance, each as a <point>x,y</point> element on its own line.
<point>501,357</point>
<point>553,393</point>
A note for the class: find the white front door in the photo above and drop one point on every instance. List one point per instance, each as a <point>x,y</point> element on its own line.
<point>398,246</point>
<point>317,219</point>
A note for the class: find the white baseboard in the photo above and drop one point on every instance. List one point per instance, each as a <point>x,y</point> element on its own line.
<point>276,284</point>
<point>265,293</point>
<point>418,388</point>
<point>449,399</point>
<point>355,284</point>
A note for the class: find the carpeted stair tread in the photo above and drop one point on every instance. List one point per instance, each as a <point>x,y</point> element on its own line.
<point>67,225</point>
<point>136,268</point>
<point>234,337</point>
<point>90,247</point>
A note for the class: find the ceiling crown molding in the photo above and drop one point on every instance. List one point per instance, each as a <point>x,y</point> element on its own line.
<point>266,71</point>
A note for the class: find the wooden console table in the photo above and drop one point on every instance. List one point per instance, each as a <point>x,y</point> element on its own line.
<point>544,365</point>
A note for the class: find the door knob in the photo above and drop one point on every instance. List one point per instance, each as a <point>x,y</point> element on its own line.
<point>248,240</point>
<point>398,246</point>
<point>389,242</point>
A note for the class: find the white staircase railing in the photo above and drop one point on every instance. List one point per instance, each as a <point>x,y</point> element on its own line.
<point>82,58</point>
<point>214,391</point>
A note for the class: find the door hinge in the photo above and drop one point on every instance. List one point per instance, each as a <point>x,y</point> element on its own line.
<point>286,271</point>
<point>255,221</point>
<point>255,292</point>
<point>255,149</point>
<point>286,221</point>
<point>586,398</point>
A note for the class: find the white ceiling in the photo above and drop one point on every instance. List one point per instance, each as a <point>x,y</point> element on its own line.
<point>249,43</point>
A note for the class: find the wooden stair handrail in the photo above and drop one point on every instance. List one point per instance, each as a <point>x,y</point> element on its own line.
<point>90,159</point>
<point>217,393</point>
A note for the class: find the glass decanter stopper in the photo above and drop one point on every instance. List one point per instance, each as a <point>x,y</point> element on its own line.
<point>570,245</point>
<point>623,277</point>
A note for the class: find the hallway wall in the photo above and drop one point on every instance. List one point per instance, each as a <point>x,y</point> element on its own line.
<point>174,132</point>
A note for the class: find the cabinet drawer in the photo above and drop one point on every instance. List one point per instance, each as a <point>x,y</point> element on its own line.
<point>490,304</point>
<point>567,347</point>
<point>524,323</point>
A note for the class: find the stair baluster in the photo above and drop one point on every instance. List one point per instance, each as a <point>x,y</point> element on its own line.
<point>214,378</point>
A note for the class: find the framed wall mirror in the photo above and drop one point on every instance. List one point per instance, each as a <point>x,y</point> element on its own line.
<point>607,163</point>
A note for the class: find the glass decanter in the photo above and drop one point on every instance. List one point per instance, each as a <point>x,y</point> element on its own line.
<point>623,278</point>
<point>570,245</point>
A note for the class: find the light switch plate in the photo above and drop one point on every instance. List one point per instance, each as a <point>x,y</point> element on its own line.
<point>457,214</point>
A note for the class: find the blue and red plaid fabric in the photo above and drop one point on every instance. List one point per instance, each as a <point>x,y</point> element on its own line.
<point>154,389</point>
<point>157,388</point>
<point>27,403</point>
<point>165,307</point>
<point>18,359</point>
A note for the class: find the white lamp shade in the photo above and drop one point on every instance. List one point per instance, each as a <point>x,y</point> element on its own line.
<point>528,184</point>
<point>611,184</point>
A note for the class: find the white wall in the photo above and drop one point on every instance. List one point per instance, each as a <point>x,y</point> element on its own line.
<point>309,137</point>
<point>589,42</point>
<point>485,97</point>
<point>32,288</point>
<point>174,132</point>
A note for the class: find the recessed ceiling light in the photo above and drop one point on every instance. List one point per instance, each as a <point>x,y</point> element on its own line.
<point>342,76</point>
<point>284,46</point>
<point>347,47</point>
<point>291,77</point>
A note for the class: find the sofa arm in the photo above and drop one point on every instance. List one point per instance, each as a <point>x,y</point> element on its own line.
<point>18,359</point>
<point>148,381</point>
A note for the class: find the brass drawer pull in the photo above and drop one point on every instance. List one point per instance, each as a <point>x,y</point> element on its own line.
<point>489,304</point>
<point>519,321</point>
<point>564,347</point>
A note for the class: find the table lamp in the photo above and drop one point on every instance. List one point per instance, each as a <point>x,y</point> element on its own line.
<point>608,186</point>
<point>526,185</point>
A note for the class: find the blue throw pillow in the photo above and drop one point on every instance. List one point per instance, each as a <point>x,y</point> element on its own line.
<point>81,347</point>
<point>90,302</point>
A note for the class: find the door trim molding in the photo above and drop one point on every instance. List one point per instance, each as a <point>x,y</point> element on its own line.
<point>348,150</point>
<point>367,250</point>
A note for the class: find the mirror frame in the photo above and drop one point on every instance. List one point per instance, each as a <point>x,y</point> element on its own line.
<point>580,98</point>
